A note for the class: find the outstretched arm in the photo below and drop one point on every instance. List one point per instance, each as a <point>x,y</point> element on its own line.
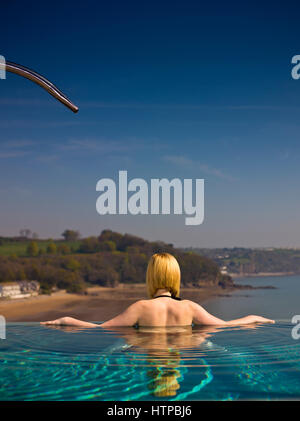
<point>69,321</point>
<point>129,317</point>
<point>249,319</point>
<point>202,317</point>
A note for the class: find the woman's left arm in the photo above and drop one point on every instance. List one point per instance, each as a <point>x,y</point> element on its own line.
<point>69,321</point>
<point>129,317</point>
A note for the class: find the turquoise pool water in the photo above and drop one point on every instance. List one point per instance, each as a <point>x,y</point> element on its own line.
<point>262,362</point>
<point>47,363</point>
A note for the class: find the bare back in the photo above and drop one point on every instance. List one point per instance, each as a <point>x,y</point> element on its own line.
<point>165,311</point>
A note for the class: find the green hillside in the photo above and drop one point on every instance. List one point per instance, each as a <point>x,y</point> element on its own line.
<point>107,260</point>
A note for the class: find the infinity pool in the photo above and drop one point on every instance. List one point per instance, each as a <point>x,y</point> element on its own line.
<point>63,363</point>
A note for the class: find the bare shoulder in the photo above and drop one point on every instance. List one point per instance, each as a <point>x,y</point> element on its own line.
<point>139,304</point>
<point>142,302</point>
<point>128,317</point>
<point>195,308</point>
<point>141,307</point>
<point>201,316</point>
<point>191,304</point>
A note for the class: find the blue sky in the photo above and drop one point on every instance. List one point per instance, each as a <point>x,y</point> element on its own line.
<point>164,89</point>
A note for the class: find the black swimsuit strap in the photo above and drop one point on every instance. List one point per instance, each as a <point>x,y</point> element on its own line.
<point>169,296</point>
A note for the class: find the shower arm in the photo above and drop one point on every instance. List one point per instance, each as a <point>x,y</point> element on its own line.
<point>40,80</point>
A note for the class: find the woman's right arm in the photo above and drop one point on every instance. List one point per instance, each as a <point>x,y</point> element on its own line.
<point>202,317</point>
<point>249,319</point>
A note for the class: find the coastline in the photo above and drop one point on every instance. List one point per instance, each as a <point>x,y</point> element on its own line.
<point>260,274</point>
<point>100,303</point>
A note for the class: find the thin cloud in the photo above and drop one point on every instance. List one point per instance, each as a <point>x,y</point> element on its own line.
<point>93,146</point>
<point>130,144</point>
<point>48,159</point>
<point>15,148</point>
<point>16,144</point>
<point>12,154</point>
<point>189,164</point>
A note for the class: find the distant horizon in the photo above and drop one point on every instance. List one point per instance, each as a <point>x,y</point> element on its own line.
<point>53,238</point>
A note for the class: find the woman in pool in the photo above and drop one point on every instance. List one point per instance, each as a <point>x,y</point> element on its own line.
<point>164,308</point>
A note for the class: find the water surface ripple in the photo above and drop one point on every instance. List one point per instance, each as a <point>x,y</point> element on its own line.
<point>60,363</point>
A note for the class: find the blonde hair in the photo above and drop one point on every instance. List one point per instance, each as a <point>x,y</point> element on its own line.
<point>163,271</point>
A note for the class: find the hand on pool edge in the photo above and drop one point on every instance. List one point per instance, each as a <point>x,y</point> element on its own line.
<point>260,319</point>
<point>249,319</point>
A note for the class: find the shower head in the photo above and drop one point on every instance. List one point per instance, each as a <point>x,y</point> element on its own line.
<point>40,80</point>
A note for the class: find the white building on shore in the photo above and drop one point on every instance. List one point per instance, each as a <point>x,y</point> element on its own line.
<point>22,289</point>
<point>224,270</point>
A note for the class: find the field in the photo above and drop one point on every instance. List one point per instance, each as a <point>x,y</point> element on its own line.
<point>19,248</point>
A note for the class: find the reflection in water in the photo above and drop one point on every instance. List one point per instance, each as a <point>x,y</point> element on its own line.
<point>162,347</point>
<point>167,351</point>
<point>163,378</point>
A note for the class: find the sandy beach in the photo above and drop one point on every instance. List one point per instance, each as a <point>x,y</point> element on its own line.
<point>98,305</point>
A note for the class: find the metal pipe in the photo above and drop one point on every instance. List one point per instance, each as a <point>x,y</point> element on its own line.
<point>40,80</point>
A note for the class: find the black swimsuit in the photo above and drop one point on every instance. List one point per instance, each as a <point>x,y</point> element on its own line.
<point>169,296</point>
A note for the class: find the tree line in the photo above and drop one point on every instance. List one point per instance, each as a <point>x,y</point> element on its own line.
<point>106,260</point>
